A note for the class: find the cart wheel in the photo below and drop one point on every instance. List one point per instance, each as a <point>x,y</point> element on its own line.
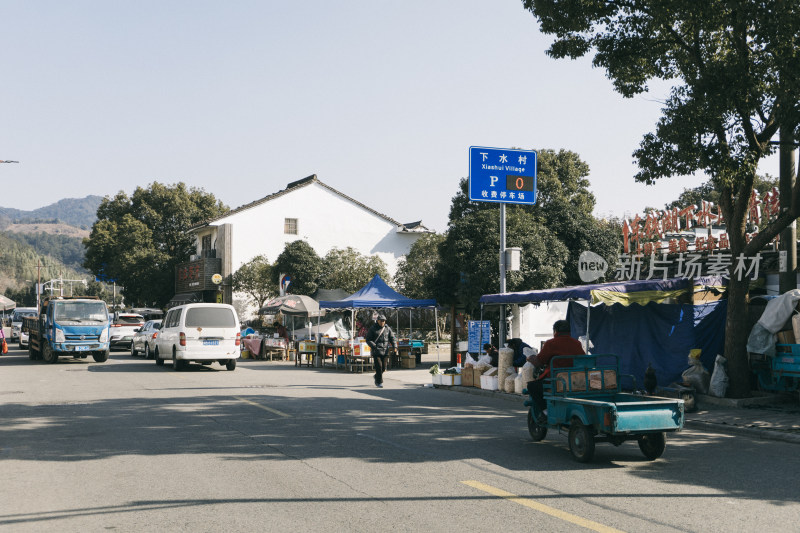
<point>581,442</point>
<point>652,445</point>
<point>537,432</point>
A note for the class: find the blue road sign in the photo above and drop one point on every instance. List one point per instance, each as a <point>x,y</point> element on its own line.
<point>479,333</point>
<point>502,175</point>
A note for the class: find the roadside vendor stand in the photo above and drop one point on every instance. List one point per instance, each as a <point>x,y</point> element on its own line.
<point>266,347</point>
<point>374,295</point>
<point>633,320</point>
<point>294,305</point>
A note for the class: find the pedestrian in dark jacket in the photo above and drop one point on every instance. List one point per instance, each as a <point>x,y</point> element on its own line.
<point>380,338</point>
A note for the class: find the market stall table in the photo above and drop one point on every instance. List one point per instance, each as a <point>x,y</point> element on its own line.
<point>274,347</point>
<point>305,350</point>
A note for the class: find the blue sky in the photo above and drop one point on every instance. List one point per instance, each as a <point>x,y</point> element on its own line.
<point>381,100</point>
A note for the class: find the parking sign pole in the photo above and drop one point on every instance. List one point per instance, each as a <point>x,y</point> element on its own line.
<point>502,329</point>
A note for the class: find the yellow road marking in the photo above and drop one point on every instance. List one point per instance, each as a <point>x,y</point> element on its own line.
<point>588,524</point>
<point>264,407</point>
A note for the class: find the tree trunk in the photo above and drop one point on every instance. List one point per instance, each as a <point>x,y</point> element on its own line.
<point>736,339</point>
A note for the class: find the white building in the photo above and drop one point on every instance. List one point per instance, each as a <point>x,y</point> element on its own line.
<point>306,209</point>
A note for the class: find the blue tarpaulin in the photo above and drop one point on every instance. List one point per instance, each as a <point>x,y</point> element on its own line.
<point>660,334</point>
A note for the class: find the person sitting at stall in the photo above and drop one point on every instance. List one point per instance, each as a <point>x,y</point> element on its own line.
<point>492,352</point>
<point>282,332</point>
<point>562,343</point>
<point>518,345</point>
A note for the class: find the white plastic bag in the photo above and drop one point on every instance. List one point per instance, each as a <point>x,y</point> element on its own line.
<point>586,349</point>
<point>484,360</point>
<point>469,361</point>
<point>719,378</point>
<point>509,384</point>
<point>527,372</point>
<point>530,351</point>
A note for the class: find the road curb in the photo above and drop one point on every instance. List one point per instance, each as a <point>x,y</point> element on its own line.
<point>759,433</point>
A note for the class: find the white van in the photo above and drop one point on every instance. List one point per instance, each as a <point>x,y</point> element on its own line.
<point>203,333</point>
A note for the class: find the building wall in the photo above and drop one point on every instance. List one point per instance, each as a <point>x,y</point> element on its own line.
<point>325,220</point>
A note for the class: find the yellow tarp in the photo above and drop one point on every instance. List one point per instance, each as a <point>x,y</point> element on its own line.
<point>641,297</point>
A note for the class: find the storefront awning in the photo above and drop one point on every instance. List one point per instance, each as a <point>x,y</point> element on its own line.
<point>185,298</point>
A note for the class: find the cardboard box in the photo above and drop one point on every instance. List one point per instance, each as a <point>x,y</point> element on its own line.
<point>476,378</point>
<point>408,362</point>
<point>467,375</point>
<point>788,336</point>
<point>609,379</point>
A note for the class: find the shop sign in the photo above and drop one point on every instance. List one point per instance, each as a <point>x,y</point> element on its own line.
<point>197,275</point>
<point>649,234</point>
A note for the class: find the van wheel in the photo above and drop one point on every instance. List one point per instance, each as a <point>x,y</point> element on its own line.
<point>177,364</point>
<point>49,355</point>
<point>159,361</point>
<point>231,364</point>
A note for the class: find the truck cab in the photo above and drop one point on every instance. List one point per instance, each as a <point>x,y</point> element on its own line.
<point>74,327</point>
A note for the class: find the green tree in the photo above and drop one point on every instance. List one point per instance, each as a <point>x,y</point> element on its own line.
<point>255,278</point>
<point>707,192</point>
<point>299,260</point>
<point>564,206</point>
<point>139,240</point>
<point>734,68</point>
<point>349,270</point>
<point>416,272</point>
<point>469,265</point>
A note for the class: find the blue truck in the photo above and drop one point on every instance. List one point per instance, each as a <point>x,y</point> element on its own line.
<point>69,327</point>
<point>584,398</point>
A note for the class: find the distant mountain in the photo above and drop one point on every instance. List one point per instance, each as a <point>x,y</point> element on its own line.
<point>78,212</point>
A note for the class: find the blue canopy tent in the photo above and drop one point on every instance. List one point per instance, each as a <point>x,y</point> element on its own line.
<point>651,332</point>
<point>378,295</point>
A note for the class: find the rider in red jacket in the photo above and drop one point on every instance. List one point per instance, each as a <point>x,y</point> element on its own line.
<point>561,344</point>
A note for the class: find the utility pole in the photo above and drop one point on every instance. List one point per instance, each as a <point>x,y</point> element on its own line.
<point>787,278</point>
<point>38,281</point>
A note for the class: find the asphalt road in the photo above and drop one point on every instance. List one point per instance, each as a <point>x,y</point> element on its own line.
<point>129,446</point>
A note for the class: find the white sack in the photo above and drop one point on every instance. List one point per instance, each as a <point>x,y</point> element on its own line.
<point>719,379</point>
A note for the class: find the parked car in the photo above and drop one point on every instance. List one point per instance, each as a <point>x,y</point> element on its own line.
<point>200,332</point>
<point>144,340</point>
<point>16,325</point>
<point>123,328</point>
